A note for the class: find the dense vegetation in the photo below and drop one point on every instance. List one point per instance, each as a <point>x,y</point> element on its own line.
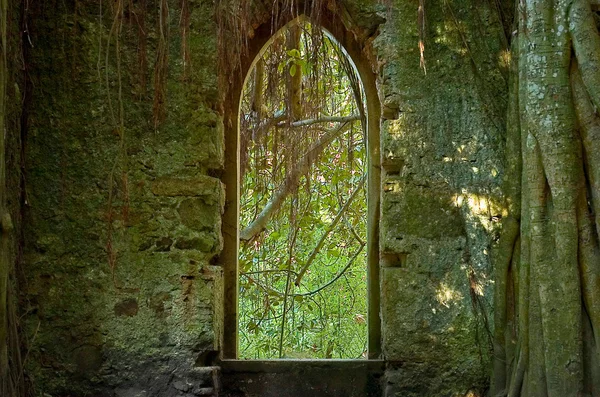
<point>303,202</point>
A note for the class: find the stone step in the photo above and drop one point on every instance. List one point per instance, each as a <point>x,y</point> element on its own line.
<point>200,381</point>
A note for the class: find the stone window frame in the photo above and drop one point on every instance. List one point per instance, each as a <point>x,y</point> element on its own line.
<point>229,257</point>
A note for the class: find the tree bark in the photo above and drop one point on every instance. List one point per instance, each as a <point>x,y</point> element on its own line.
<point>557,283</point>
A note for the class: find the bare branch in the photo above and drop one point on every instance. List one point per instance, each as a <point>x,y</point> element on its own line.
<point>301,168</point>
<point>266,123</point>
<point>272,291</point>
<point>340,274</point>
<point>269,271</point>
<point>354,233</point>
<point>330,228</point>
<point>268,290</point>
<point>324,119</point>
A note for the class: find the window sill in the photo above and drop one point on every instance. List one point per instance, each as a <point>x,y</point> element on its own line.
<point>292,365</point>
<point>293,378</point>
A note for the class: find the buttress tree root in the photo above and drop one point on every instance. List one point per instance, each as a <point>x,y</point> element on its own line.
<point>547,260</point>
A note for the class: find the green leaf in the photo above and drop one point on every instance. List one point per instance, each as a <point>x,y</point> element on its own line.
<point>305,66</point>
<point>293,70</point>
<point>252,326</point>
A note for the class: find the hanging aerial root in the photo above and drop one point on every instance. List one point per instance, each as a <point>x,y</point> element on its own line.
<point>589,253</point>
<point>551,120</point>
<point>258,89</point>
<point>518,374</point>
<point>537,196</point>
<point>506,249</point>
<point>586,42</point>
<point>536,371</point>
<point>502,256</point>
<point>590,136</point>
<point>513,163</point>
<point>512,301</point>
<point>294,83</point>
<point>184,25</point>
<point>532,179</point>
<point>589,262</point>
<point>161,66</point>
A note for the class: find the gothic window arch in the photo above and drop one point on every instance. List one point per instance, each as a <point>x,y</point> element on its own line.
<point>232,233</point>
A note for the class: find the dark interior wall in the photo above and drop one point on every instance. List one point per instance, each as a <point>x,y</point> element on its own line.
<point>122,224</point>
<point>13,90</point>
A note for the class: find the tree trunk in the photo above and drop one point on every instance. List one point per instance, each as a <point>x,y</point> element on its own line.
<point>542,329</point>
<point>294,83</point>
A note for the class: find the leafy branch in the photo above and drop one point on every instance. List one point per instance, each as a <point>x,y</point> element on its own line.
<point>291,180</point>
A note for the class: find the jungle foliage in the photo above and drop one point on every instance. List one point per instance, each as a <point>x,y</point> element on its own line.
<point>303,202</point>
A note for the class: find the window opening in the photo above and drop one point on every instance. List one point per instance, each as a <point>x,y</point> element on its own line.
<point>302,288</point>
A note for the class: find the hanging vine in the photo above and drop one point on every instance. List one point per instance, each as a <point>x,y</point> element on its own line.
<point>184,25</point>
<point>161,65</point>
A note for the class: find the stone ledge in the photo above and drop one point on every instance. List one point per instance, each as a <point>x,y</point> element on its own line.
<point>285,366</point>
<point>173,186</point>
<point>293,378</point>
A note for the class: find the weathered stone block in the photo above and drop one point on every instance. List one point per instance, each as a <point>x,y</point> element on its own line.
<point>181,385</point>
<point>131,392</point>
<point>164,244</point>
<point>128,307</point>
<point>419,211</point>
<point>211,189</point>
<point>428,324</point>
<point>204,242</point>
<point>429,312</point>
<point>422,379</point>
<point>88,359</point>
<point>407,314</point>
<point>196,214</point>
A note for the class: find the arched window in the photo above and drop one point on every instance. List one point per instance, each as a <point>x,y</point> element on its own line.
<point>300,228</point>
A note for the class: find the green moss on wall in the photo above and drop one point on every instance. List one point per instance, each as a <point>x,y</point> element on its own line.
<point>120,288</point>
<point>122,225</point>
<point>442,145</point>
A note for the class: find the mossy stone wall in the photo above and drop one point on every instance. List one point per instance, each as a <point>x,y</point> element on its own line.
<point>12,97</point>
<point>122,226</point>
<point>442,146</point>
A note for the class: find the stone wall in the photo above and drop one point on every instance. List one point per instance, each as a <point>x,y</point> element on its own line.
<point>13,91</point>
<point>442,147</point>
<point>123,219</point>
<point>121,223</point>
